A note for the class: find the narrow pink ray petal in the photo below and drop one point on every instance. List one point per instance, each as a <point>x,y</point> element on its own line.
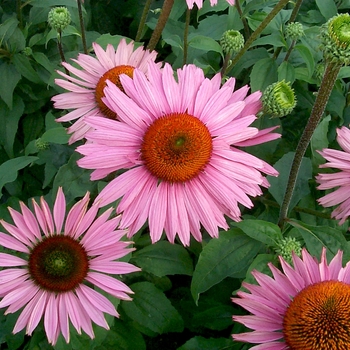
<point>259,323</point>
<point>47,215</point>
<point>113,267</point>
<point>59,210</point>
<point>21,224</point>
<point>258,336</point>
<point>11,260</point>
<point>63,317</point>
<point>40,217</point>
<point>37,311</point>
<point>30,220</point>
<point>12,243</point>
<point>51,323</point>
<point>16,233</point>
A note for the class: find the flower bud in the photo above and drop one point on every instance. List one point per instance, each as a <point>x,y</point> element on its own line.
<point>335,37</point>
<point>59,18</point>
<point>41,145</point>
<point>278,99</point>
<point>285,248</point>
<point>27,51</point>
<point>294,30</point>
<point>232,41</point>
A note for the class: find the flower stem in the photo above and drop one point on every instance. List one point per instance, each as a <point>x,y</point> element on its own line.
<point>82,27</point>
<point>318,108</point>
<point>143,20</point>
<point>60,49</point>
<point>291,47</point>
<point>243,19</point>
<point>279,6</point>
<point>295,11</point>
<point>19,14</point>
<point>187,23</point>
<point>163,17</point>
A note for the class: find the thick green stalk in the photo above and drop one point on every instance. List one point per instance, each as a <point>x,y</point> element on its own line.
<point>279,6</point>
<point>163,17</point>
<point>143,20</point>
<point>318,108</point>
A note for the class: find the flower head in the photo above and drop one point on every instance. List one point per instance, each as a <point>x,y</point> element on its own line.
<point>339,180</point>
<point>294,30</point>
<point>199,3</point>
<point>279,99</point>
<point>54,259</point>
<point>59,18</point>
<point>335,37</point>
<point>174,139</point>
<point>305,307</point>
<point>86,88</point>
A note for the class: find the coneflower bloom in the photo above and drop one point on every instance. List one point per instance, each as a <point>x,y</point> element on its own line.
<point>174,139</point>
<point>199,3</point>
<point>55,263</point>
<point>302,308</point>
<point>339,180</point>
<point>86,85</point>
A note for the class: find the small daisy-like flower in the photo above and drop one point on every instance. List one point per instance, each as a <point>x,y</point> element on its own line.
<point>199,3</point>
<point>86,85</point>
<point>47,275</point>
<point>340,180</point>
<point>305,307</point>
<point>174,138</point>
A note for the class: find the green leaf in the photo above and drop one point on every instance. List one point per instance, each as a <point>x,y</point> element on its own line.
<point>23,66</point>
<point>317,237</point>
<point>9,119</point>
<point>202,42</point>
<point>279,184</point>
<point>263,74</point>
<point>42,59</point>
<point>57,135</point>
<point>9,169</point>
<point>307,56</point>
<point>262,231</point>
<point>319,141</point>
<point>164,258</point>
<point>202,343</point>
<point>274,39</point>
<point>9,80</point>
<point>74,180</point>
<point>327,8</point>
<point>286,71</point>
<point>49,3</point>
<point>152,309</point>
<point>227,256</point>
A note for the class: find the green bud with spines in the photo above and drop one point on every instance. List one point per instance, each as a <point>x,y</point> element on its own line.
<point>41,145</point>
<point>285,248</point>
<point>232,41</point>
<point>279,99</point>
<point>59,18</point>
<point>294,31</point>
<point>335,38</point>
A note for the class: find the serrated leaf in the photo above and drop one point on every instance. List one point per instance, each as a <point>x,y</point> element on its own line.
<point>9,169</point>
<point>228,255</point>
<point>152,309</point>
<point>279,184</point>
<point>262,231</point>
<point>164,258</point>
<point>9,80</point>
<point>9,119</point>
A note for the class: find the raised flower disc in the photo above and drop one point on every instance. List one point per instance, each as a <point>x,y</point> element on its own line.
<point>305,307</point>
<point>199,3</point>
<point>85,86</point>
<point>337,181</point>
<point>174,139</point>
<point>55,263</point>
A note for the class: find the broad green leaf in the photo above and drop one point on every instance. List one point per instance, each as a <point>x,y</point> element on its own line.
<point>213,26</point>
<point>317,237</point>
<point>9,79</point>
<point>262,231</point>
<point>152,309</point>
<point>9,119</point>
<point>263,74</point>
<point>57,135</point>
<point>227,256</point>
<point>286,71</point>
<point>274,39</point>
<point>23,66</point>
<point>202,343</point>
<point>279,184</point>
<point>74,180</point>
<point>46,3</point>
<point>319,141</point>
<point>164,258</point>
<point>307,56</point>
<point>43,60</point>
<point>327,8</point>
<point>7,28</point>
<point>204,43</point>
<point>9,169</point>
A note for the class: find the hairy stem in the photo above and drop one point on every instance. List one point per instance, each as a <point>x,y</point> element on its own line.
<point>243,19</point>
<point>82,27</point>
<point>318,108</point>
<point>60,49</point>
<point>143,20</point>
<point>163,17</point>
<point>187,23</point>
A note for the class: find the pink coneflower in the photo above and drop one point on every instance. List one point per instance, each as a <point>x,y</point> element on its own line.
<point>199,3</point>
<point>86,88</point>
<point>174,139</point>
<point>305,308</point>
<point>47,275</point>
<point>340,180</point>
